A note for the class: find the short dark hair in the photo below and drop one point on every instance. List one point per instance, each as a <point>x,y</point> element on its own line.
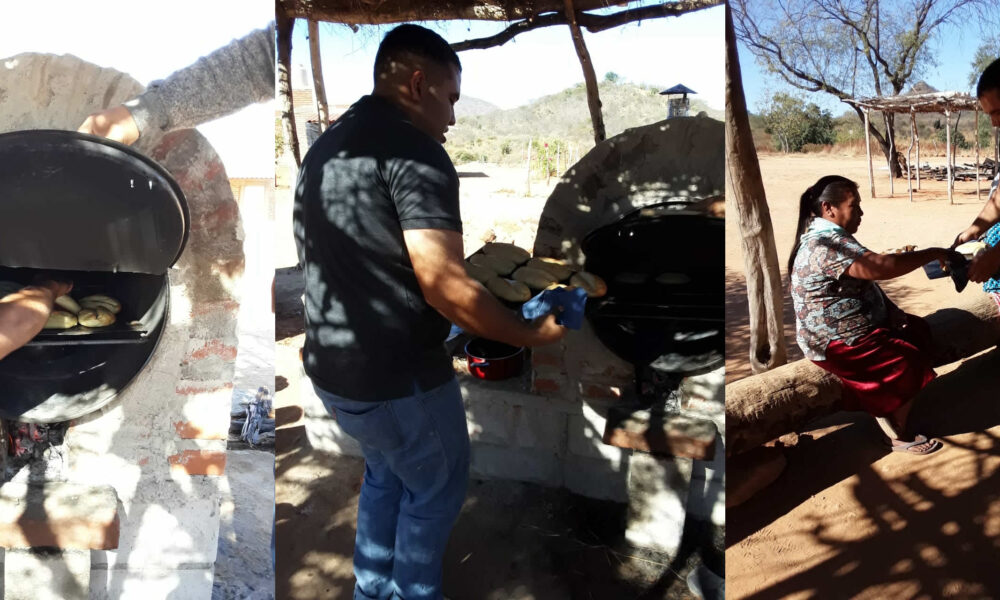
<point>990,79</point>
<point>416,40</point>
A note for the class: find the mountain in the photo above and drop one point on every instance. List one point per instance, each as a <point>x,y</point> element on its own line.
<point>560,120</point>
<point>468,106</point>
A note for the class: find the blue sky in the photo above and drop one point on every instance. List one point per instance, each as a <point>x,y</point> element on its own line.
<point>662,52</point>
<point>953,49</point>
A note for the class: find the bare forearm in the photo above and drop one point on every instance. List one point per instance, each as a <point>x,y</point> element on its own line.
<point>22,316</point>
<point>889,266</point>
<point>466,303</point>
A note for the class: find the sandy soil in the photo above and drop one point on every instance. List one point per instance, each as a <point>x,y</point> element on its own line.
<point>846,518</point>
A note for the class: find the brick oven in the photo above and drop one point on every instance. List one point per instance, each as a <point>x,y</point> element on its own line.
<point>550,426</point>
<point>125,498</point>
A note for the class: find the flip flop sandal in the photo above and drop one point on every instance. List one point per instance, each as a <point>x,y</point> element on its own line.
<point>918,440</point>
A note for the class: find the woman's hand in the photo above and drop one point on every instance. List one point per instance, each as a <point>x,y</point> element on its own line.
<point>115,123</point>
<point>985,265</point>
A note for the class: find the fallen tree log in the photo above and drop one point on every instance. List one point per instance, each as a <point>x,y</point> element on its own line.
<point>763,407</point>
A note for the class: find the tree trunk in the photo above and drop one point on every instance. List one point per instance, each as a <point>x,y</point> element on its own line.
<point>760,258</point>
<point>317,73</point>
<point>593,96</point>
<point>284,25</point>
<point>763,407</point>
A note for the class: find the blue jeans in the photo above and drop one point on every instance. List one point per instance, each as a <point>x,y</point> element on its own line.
<point>416,471</point>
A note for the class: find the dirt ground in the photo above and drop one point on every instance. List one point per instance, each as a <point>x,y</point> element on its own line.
<point>847,518</point>
<point>513,541</point>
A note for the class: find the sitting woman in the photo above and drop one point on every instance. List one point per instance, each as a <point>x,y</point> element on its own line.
<point>845,322</point>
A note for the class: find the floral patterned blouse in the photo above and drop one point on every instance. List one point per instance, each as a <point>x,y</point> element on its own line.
<point>829,304</point>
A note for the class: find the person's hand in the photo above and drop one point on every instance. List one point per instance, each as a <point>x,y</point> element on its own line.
<point>58,287</point>
<point>115,123</point>
<point>547,331</point>
<point>973,232</point>
<point>985,265</point>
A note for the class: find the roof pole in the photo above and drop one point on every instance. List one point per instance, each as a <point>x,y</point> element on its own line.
<point>976,134</point>
<point>916,132</point>
<point>317,72</point>
<point>593,97</point>
<point>868,152</point>
<point>947,136</point>
<point>892,150</point>
<point>909,182</point>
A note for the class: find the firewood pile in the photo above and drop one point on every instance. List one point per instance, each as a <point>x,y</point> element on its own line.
<point>963,172</point>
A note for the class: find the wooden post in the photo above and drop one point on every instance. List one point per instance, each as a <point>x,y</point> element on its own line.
<point>909,183</point>
<point>917,132</point>
<point>868,153</point>
<point>746,193</point>
<point>975,130</point>
<point>284,25</point>
<point>527,181</point>
<point>593,96</point>
<point>317,70</point>
<point>947,136</point>
<point>892,150</point>
<point>558,154</point>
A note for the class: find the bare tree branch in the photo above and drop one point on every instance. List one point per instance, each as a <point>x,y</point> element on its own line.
<point>592,23</point>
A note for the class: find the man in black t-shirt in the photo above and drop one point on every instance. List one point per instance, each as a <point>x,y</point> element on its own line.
<point>379,233</point>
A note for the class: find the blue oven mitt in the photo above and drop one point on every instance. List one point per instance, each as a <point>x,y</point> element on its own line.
<point>570,301</point>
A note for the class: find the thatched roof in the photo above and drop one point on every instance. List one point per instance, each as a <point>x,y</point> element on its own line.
<point>376,12</point>
<point>933,102</point>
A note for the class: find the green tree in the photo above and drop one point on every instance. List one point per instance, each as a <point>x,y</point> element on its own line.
<point>612,77</point>
<point>852,48</point>
<point>793,123</point>
<point>988,52</point>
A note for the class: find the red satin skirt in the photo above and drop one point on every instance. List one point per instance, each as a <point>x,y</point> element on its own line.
<point>884,369</point>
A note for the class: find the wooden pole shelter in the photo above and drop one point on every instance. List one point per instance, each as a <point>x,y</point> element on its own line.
<point>317,72</point>
<point>909,182</point>
<point>868,153</point>
<point>593,95</point>
<point>746,193</point>
<point>947,135</point>
<point>284,25</point>
<point>917,134</point>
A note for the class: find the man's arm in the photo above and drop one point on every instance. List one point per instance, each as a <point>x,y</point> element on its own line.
<point>436,255</point>
<point>23,313</point>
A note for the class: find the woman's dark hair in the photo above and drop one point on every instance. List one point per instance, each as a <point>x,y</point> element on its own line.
<point>990,79</point>
<point>832,189</point>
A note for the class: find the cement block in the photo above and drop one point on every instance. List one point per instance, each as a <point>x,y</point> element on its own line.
<point>707,496</point>
<point>539,429</point>
<point>586,432</point>
<point>58,514</point>
<point>657,498</point>
<point>32,575</point>
<point>597,478</point>
<point>521,464</point>
<point>147,584</point>
<point>158,536</point>
<point>490,420</point>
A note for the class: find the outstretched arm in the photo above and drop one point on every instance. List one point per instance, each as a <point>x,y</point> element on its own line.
<point>436,255</point>
<point>233,77</point>
<point>872,266</point>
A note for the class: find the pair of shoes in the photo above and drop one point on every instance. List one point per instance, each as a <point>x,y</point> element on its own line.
<point>920,445</point>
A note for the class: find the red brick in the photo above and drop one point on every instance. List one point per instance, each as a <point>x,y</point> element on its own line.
<point>204,308</point>
<point>214,347</point>
<point>670,435</point>
<point>198,462</point>
<point>190,388</point>
<point>599,390</point>
<point>205,430</point>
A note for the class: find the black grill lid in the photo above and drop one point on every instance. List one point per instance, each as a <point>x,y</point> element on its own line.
<point>78,202</point>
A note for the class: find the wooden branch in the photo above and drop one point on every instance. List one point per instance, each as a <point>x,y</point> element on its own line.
<point>593,95</point>
<point>760,257</point>
<point>380,12</point>
<point>284,25</point>
<point>592,23</point>
<point>764,407</point>
<point>317,72</point>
